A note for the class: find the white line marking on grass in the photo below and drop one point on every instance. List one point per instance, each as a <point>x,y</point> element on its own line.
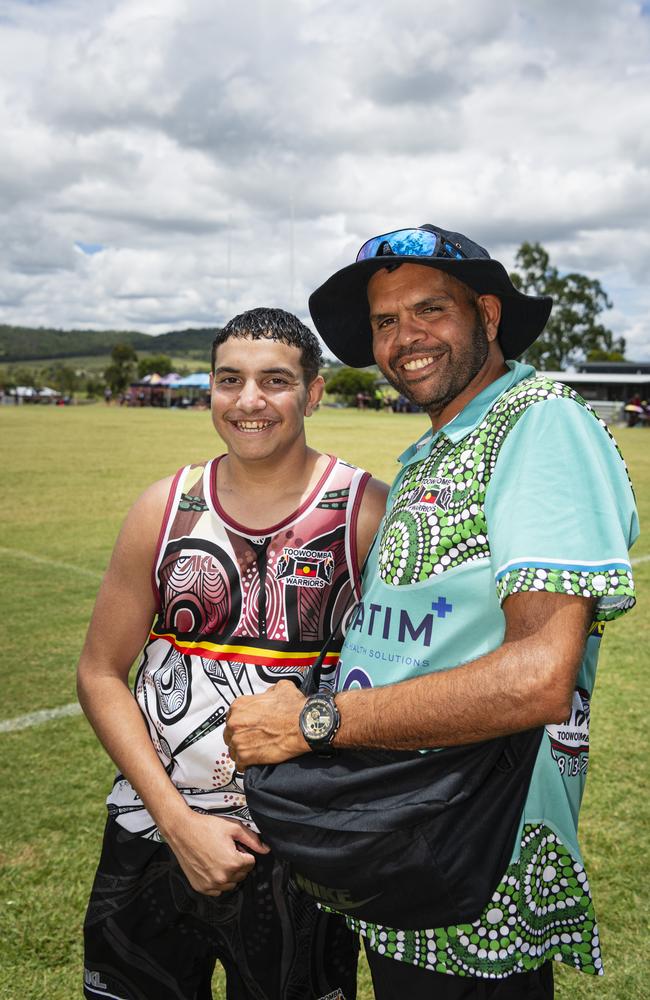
<point>43,561</point>
<point>63,711</point>
<point>639,559</point>
<point>38,718</point>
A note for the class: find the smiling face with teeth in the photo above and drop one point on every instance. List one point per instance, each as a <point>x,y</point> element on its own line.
<point>259,398</point>
<point>434,340</point>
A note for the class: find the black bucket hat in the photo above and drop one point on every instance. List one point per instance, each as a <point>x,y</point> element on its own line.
<point>339,308</point>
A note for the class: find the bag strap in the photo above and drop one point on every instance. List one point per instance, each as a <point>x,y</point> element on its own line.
<point>312,676</point>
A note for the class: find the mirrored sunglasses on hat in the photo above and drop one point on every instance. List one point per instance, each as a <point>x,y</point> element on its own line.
<point>412,243</point>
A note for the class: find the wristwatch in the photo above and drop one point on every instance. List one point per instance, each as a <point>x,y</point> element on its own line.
<point>319,722</point>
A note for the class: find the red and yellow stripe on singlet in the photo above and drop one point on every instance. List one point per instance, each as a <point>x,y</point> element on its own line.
<point>240,653</point>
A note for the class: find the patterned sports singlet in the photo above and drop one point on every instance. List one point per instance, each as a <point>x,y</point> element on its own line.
<point>238,610</point>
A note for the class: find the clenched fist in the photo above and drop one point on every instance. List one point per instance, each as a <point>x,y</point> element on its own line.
<point>264,728</point>
<point>216,854</point>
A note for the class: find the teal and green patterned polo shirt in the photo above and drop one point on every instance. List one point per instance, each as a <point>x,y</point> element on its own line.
<point>523,490</point>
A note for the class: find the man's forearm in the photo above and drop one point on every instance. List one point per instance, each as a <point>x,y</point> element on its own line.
<point>527,682</point>
<point>503,692</point>
<point>450,707</point>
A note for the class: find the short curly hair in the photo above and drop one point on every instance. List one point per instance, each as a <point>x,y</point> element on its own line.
<point>274,324</point>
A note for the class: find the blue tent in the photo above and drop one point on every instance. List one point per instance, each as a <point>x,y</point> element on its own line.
<point>200,380</point>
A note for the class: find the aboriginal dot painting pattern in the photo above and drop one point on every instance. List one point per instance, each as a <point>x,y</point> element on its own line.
<point>420,541</point>
<point>614,587</point>
<point>542,909</point>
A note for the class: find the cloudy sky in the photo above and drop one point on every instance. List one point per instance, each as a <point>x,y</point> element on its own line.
<point>167,163</point>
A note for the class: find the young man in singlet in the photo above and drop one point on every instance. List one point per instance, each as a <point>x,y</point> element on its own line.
<point>244,564</point>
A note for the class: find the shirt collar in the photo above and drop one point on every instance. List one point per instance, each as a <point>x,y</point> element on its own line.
<point>471,414</point>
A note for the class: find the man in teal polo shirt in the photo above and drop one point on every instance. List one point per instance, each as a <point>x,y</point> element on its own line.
<point>503,552</point>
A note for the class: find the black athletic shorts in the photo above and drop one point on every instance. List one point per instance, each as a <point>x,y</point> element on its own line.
<point>395,980</point>
<point>150,936</point>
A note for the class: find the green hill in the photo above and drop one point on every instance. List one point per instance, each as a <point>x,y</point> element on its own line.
<point>192,341</point>
<point>22,343</point>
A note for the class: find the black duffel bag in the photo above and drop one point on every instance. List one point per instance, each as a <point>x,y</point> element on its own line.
<point>400,838</point>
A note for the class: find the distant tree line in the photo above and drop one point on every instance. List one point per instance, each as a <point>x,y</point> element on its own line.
<point>124,368</point>
<point>22,343</point>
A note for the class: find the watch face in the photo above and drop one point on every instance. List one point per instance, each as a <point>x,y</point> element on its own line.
<point>318,719</point>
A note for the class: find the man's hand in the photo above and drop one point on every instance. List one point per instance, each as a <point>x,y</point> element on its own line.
<point>211,851</point>
<point>264,728</point>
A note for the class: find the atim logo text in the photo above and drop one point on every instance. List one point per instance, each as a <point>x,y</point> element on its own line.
<point>382,620</point>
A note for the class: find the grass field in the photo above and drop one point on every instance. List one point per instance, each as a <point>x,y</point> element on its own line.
<point>69,475</point>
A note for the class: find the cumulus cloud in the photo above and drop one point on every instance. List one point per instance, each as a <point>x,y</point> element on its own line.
<point>224,157</point>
